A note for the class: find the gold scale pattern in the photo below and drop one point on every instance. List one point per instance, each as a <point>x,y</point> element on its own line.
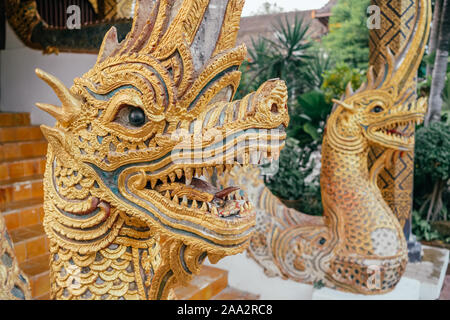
<point>119,226</point>
<point>358,245</point>
<point>14,284</point>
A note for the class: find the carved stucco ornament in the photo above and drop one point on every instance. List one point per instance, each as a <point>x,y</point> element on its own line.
<point>14,284</point>
<point>129,208</point>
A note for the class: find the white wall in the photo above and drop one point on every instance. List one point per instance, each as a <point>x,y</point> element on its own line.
<point>21,88</point>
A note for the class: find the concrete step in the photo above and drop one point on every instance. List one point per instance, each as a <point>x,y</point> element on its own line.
<point>208,284</point>
<point>24,168</point>
<point>21,189</point>
<point>8,119</point>
<point>230,293</point>
<point>22,150</point>
<point>25,133</point>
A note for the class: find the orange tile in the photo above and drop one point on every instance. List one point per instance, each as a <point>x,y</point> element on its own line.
<point>44,297</point>
<point>12,221</point>
<point>11,151</point>
<point>42,166</point>
<point>16,169</point>
<point>37,190</point>
<point>41,214</point>
<point>35,247</point>
<point>30,168</point>
<point>22,191</point>
<point>4,171</point>
<point>6,194</point>
<point>21,252</point>
<point>29,217</point>
<point>41,285</point>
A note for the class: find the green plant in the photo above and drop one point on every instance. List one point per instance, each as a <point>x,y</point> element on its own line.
<point>287,57</point>
<point>432,169</point>
<point>348,40</point>
<point>293,179</point>
<point>309,117</point>
<point>422,228</point>
<point>336,80</point>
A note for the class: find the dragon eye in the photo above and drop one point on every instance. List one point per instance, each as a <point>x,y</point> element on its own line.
<point>131,116</point>
<point>136,117</point>
<point>377,109</point>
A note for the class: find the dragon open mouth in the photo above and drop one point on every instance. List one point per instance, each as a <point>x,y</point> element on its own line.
<point>397,133</point>
<point>193,189</point>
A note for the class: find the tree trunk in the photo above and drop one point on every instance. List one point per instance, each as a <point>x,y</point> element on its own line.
<point>440,66</point>
<point>435,26</point>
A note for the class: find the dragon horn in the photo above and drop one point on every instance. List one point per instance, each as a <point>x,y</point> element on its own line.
<point>70,105</point>
<point>345,105</point>
<point>349,90</point>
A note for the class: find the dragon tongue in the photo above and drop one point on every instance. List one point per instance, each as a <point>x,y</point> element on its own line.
<point>204,186</point>
<point>225,192</point>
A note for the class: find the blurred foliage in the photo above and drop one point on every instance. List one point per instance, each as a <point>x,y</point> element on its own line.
<point>432,171</point>
<point>348,40</point>
<point>287,57</point>
<point>433,152</point>
<point>422,229</point>
<point>291,181</point>
<point>309,118</point>
<point>336,80</point>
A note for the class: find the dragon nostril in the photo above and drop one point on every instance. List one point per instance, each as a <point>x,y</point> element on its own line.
<point>274,108</point>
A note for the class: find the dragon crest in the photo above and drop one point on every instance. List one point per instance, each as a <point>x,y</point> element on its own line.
<point>130,209</point>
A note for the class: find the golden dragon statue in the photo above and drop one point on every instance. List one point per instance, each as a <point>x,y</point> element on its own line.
<point>14,284</point>
<point>358,245</point>
<point>130,209</point>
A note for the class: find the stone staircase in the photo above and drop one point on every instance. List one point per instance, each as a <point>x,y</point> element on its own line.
<point>22,164</point>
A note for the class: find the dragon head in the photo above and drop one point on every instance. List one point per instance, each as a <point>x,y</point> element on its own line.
<point>384,110</point>
<point>153,122</point>
<point>376,116</point>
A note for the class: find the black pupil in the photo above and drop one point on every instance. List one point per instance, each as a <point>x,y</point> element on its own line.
<point>136,117</point>
<point>378,109</point>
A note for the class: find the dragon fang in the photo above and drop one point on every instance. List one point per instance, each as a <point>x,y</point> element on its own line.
<point>125,220</point>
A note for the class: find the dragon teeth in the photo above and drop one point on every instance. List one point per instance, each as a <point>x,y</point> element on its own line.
<point>194,204</point>
<point>188,175</point>
<point>167,195</point>
<point>204,207</point>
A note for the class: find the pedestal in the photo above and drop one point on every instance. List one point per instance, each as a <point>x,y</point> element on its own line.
<point>406,289</point>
